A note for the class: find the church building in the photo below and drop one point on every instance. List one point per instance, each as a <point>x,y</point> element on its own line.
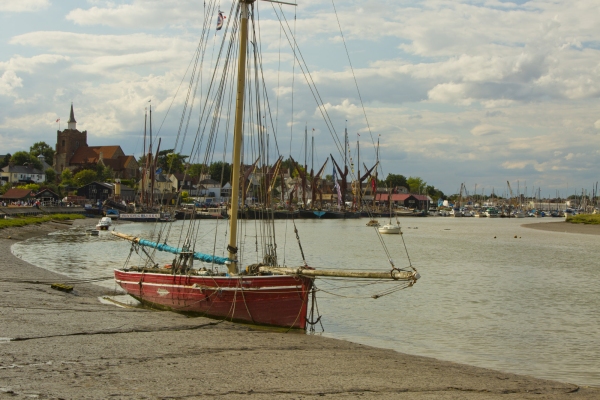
<point>73,152</point>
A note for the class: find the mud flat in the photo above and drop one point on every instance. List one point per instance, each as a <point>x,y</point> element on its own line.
<point>55,344</point>
<point>565,227</point>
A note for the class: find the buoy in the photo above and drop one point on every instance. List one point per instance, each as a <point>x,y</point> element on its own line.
<point>515,236</point>
<point>494,237</point>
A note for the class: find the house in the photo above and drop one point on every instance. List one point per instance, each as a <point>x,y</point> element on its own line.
<point>180,181</point>
<point>22,173</point>
<point>18,195</point>
<point>73,152</point>
<point>209,188</point>
<point>98,192</point>
<point>47,197</point>
<point>416,201</point>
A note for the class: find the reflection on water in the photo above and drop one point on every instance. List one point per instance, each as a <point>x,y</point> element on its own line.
<point>525,305</point>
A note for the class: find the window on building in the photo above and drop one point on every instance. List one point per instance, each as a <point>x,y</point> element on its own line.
<point>63,143</point>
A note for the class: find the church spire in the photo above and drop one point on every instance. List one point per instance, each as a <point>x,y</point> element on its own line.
<point>72,123</point>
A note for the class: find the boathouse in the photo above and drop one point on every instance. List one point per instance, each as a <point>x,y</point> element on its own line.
<point>23,195</point>
<point>100,191</point>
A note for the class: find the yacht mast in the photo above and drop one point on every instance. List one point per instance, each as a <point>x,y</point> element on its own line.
<point>237,137</point>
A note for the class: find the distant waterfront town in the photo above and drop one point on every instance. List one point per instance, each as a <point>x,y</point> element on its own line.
<point>75,174</point>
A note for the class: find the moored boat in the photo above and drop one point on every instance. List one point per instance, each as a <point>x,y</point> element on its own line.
<point>263,293</point>
<point>104,223</point>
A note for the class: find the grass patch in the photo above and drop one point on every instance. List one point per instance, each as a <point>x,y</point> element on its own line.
<point>588,219</point>
<point>23,221</point>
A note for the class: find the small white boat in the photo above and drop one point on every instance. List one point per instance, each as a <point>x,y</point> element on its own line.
<point>104,224</point>
<point>389,229</point>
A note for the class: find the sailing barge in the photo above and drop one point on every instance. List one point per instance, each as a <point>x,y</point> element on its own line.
<point>264,293</point>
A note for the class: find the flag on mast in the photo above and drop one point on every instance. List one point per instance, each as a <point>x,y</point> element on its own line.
<point>58,120</point>
<point>220,20</point>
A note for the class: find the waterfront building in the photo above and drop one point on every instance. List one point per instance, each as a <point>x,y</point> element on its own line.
<point>22,174</point>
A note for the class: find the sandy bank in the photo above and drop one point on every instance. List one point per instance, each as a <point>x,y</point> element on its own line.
<point>565,227</point>
<point>71,346</point>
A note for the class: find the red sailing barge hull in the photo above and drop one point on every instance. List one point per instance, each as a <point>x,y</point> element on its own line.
<point>276,300</point>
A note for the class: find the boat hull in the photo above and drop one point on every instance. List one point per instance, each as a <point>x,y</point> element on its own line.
<point>272,300</point>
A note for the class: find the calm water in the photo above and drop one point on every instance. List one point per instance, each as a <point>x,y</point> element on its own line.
<point>527,305</point>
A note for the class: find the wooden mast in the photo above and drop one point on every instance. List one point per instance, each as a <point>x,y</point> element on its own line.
<point>237,137</point>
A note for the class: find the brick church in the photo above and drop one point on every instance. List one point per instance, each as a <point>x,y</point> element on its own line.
<point>73,152</point>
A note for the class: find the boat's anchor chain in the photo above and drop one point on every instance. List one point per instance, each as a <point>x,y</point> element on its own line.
<point>314,308</point>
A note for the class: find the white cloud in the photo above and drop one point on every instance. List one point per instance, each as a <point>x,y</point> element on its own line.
<point>19,63</point>
<point>8,82</point>
<point>486,130</point>
<point>23,5</point>
<point>149,14</point>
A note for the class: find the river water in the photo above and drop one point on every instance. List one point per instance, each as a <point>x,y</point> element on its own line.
<point>491,294</point>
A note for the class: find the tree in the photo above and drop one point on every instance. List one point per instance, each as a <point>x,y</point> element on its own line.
<point>415,184</point>
<point>44,149</point>
<point>393,180</point>
<point>169,161</point>
<point>175,163</point>
<point>195,170</point>
<point>4,188</point>
<point>107,174</point>
<point>24,158</point>
<point>220,172</point>
<point>31,186</point>
<point>84,177</point>
<point>185,196</point>
<point>66,178</point>
<point>50,175</point>
<point>4,161</point>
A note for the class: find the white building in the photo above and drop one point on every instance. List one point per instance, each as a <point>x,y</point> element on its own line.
<point>22,173</point>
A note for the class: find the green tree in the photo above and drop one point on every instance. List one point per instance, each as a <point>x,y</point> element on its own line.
<point>107,174</point>
<point>195,170</point>
<point>4,161</point>
<point>416,185</point>
<point>393,180</point>
<point>31,186</point>
<point>169,161</point>
<point>4,188</point>
<point>84,177</point>
<point>50,176</point>
<point>44,149</point>
<point>23,157</point>
<point>220,172</point>
<point>66,177</point>
<point>185,196</point>
<point>175,163</point>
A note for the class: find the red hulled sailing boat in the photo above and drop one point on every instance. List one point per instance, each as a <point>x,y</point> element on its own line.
<point>263,293</point>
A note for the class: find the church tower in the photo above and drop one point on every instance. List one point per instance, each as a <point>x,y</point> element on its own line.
<point>67,142</point>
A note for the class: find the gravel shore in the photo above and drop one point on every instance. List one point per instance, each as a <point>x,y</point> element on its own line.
<point>71,346</point>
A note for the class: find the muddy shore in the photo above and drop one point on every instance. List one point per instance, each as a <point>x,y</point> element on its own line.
<point>70,345</point>
<point>565,227</point>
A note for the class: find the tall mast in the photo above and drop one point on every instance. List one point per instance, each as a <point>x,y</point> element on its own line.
<point>346,145</point>
<point>150,148</point>
<point>305,165</point>
<point>142,195</point>
<point>359,189</point>
<point>237,137</point>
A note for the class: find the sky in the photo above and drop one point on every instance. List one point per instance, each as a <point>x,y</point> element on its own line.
<point>457,92</point>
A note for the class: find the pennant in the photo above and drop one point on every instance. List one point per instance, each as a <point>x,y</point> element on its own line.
<point>58,120</point>
<point>220,20</point>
